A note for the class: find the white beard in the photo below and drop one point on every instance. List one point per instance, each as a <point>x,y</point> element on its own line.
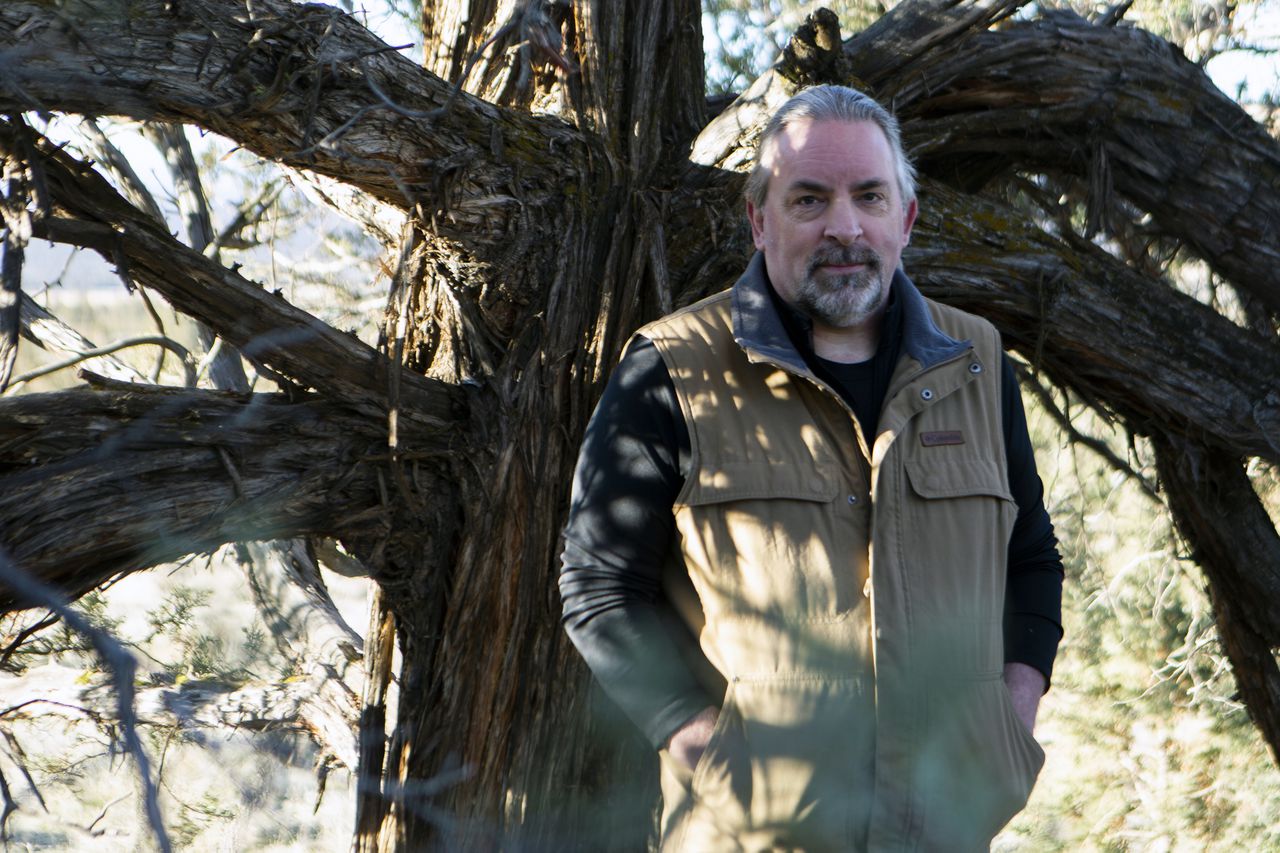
<point>841,301</point>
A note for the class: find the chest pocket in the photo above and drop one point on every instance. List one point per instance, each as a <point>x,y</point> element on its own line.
<point>951,477</point>
<point>772,541</point>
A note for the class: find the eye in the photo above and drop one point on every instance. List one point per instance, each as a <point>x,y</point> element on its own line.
<point>806,201</point>
<point>872,197</point>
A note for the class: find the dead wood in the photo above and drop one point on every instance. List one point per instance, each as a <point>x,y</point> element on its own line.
<point>184,358</point>
<point>305,85</point>
<point>308,629</point>
<point>225,367</point>
<point>49,333</point>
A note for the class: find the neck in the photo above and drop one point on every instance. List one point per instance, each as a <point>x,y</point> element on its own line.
<point>852,344</point>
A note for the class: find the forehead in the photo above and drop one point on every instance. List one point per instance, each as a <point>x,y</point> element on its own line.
<point>828,149</point>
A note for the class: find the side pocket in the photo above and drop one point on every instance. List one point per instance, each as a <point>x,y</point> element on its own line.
<point>976,767</point>
<point>1032,752</point>
<point>708,758</point>
<point>721,781</point>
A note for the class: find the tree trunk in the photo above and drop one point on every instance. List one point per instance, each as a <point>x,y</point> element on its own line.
<point>492,696</point>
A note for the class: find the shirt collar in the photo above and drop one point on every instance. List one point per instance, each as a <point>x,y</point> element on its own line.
<point>765,325</point>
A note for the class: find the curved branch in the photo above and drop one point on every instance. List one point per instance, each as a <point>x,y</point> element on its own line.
<point>305,85</point>
<point>51,334</point>
<point>188,363</point>
<point>94,484</point>
<point>1059,94</point>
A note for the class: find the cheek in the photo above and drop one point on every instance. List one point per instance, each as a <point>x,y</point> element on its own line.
<point>888,239</point>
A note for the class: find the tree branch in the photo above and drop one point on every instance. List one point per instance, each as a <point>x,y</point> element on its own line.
<point>51,334</point>
<point>308,629</point>
<point>199,468</point>
<point>1065,96</point>
<point>263,325</point>
<point>225,367</point>
<point>1235,542</point>
<point>305,85</point>
<point>16,219</point>
<point>1096,325</point>
<point>184,355</point>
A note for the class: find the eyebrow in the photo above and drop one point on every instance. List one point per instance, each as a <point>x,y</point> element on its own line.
<point>817,186</point>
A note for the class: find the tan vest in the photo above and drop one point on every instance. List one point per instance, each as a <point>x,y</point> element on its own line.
<point>850,591</point>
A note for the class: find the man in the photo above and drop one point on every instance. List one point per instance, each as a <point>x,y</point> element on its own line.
<point>807,551</point>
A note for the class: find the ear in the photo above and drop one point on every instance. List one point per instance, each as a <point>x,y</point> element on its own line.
<point>756,216</point>
<point>908,220</point>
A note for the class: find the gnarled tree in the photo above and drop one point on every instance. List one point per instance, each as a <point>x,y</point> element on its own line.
<point>563,181</point>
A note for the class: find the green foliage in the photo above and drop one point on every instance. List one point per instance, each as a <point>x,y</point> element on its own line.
<point>1147,748</point>
<point>62,642</point>
<point>220,789</point>
<point>175,613</point>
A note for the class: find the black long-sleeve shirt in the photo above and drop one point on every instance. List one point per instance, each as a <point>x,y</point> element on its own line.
<point>632,465</point>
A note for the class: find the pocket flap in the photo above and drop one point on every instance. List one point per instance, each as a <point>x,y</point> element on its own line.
<point>756,480</point>
<point>955,478</point>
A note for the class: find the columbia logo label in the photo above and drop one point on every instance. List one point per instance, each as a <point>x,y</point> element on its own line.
<point>942,437</point>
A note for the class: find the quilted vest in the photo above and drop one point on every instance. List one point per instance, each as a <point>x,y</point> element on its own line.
<point>848,588</point>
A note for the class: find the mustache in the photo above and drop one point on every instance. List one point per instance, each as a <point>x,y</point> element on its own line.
<point>842,256</point>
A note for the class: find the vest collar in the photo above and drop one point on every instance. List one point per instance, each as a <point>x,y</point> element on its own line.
<point>759,331</point>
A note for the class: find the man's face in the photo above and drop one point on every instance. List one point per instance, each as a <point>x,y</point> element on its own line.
<point>832,226</point>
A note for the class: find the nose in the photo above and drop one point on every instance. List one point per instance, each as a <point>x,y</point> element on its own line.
<point>843,224</point>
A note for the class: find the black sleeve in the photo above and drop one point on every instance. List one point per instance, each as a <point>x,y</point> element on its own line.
<point>619,534</point>
<point>1033,595</point>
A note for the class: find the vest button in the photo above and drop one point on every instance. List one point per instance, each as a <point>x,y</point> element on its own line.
<point>926,394</point>
<point>866,589</point>
<point>853,499</point>
<point>975,368</point>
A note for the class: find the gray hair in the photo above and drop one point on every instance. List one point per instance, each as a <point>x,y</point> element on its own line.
<point>831,103</point>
